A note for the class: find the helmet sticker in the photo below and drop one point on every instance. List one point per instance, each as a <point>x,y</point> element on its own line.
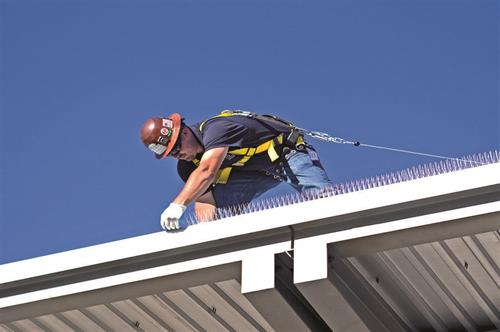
<point>157,148</point>
<point>166,131</point>
<point>167,123</point>
<point>163,140</point>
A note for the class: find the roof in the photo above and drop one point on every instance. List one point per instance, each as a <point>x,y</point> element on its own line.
<point>415,255</point>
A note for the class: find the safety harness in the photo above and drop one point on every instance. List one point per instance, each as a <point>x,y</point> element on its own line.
<point>274,147</point>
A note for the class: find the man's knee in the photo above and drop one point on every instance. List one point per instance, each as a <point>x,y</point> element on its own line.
<point>205,207</point>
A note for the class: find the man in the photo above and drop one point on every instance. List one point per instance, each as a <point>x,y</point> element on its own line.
<point>231,159</point>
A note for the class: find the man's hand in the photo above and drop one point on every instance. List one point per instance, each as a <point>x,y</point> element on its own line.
<point>170,217</point>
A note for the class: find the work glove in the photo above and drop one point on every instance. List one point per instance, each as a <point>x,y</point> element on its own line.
<point>171,216</point>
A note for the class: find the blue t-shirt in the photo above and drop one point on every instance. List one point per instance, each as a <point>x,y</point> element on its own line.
<point>234,132</point>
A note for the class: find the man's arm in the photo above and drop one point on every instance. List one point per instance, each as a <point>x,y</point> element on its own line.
<point>203,176</point>
<point>198,182</point>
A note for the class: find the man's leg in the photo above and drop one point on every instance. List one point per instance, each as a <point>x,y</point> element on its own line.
<point>242,188</point>
<point>304,171</point>
<point>205,207</point>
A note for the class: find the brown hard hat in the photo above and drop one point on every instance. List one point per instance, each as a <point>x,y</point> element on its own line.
<point>160,134</point>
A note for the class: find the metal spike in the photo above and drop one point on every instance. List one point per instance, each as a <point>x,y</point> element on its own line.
<point>441,167</point>
<point>308,194</point>
<point>315,194</point>
<point>490,157</point>
<point>438,167</point>
<point>481,159</point>
<point>373,183</point>
<point>425,171</point>
<point>397,177</point>
<point>263,205</point>
<point>408,174</point>
<point>269,204</point>
<point>234,211</point>
<point>421,171</point>
<point>472,161</point>
<point>432,169</point>
<point>447,166</point>
<point>414,170</point>
<point>452,165</point>
<point>250,207</point>
<point>466,163</point>
<point>277,201</point>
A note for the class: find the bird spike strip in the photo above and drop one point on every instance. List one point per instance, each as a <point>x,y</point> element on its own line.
<point>408,174</point>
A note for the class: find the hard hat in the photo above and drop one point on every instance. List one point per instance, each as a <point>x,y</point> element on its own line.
<point>160,134</point>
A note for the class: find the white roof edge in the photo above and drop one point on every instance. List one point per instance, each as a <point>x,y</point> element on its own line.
<point>253,258</point>
<point>463,180</point>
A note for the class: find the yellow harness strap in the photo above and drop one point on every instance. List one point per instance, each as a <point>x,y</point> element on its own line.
<point>247,153</point>
<point>222,174</point>
<point>223,114</point>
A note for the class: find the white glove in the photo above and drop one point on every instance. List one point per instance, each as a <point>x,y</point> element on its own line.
<point>170,217</point>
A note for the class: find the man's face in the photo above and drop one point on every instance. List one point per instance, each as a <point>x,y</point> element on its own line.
<point>188,147</point>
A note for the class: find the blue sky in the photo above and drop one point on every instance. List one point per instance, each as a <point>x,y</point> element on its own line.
<point>78,79</point>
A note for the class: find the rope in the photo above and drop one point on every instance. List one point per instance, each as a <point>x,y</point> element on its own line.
<point>338,140</point>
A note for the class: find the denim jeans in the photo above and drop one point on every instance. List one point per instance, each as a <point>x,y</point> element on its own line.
<point>300,169</point>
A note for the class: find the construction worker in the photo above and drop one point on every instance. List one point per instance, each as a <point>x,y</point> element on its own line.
<point>231,159</point>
